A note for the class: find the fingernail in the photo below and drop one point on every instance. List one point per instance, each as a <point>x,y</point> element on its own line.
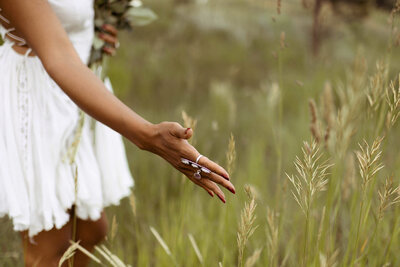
<point>211,194</point>
<point>222,199</point>
<point>232,190</point>
<point>187,130</point>
<point>226,177</point>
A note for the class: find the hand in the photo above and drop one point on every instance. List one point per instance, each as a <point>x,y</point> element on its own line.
<point>170,142</point>
<point>110,36</point>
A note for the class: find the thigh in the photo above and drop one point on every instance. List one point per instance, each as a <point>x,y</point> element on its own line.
<point>92,232</point>
<point>47,247</point>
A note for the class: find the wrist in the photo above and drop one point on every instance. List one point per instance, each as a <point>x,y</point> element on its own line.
<point>144,135</point>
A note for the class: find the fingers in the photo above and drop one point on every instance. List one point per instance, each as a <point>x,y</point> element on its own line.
<point>110,29</point>
<point>207,182</point>
<point>112,40</point>
<point>209,191</point>
<point>220,180</point>
<point>214,188</point>
<point>214,167</point>
<point>109,50</point>
<point>110,37</point>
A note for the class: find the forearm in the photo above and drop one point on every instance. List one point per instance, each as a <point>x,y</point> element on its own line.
<point>90,94</point>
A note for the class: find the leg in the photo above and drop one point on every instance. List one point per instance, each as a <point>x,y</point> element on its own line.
<point>48,246</point>
<point>90,233</point>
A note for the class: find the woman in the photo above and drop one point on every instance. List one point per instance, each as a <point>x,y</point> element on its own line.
<point>43,60</point>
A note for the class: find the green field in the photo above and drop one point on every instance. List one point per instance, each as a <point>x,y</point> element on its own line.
<point>238,67</point>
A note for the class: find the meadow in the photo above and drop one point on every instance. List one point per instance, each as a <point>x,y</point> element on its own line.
<point>310,139</point>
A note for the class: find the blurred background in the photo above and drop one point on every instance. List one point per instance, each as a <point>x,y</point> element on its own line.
<point>248,68</point>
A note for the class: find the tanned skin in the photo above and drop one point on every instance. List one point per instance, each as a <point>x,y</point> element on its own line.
<point>35,21</point>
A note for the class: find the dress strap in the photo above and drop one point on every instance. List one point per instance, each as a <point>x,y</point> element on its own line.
<point>7,32</point>
<point>4,18</point>
<point>27,52</point>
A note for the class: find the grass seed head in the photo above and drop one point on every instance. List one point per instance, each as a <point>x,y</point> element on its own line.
<point>311,176</point>
<point>388,196</point>
<point>272,234</point>
<point>368,160</point>
<point>246,224</point>
<point>253,259</point>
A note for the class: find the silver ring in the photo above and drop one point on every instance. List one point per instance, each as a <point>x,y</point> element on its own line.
<point>197,175</point>
<point>198,167</point>
<point>198,158</point>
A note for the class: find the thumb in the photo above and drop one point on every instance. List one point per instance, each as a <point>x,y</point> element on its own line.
<point>183,133</point>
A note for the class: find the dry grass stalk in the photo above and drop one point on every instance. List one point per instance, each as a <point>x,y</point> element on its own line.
<point>246,225</point>
<point>73,149</point>
<point>314,126</point>
<point>329,262</point>
<point>310,179</point>
<point>110,257</point>
<point>282,40</point>
<point>388,197</point>
<point>272,235</point>
<point>376,90</point>
<point>163,244</point>
<point>274,96</point>
<point>311,176</point>
<point>368,160</point>
<point>316,27</point>
<point>161,241</point>
<point>252,260</point>
<point>393,13</point>
<point>393,101</point>
<point>68,254</point>
<point>114,228</point>
<point>132,203</point>
<point>278,6</point>
<point>188,122</point>
<point>328,104</point>
<point>328,110</point>
<point>349,178</point>
<point>86,252</point>
<point>321,225</point>
<point>196,248</point>
<point>254,192</point>
<point>231,155</point>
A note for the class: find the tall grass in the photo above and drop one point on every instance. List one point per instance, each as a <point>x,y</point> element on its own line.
<point>246,89</point>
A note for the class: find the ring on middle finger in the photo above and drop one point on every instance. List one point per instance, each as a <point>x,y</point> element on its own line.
<point>196,166</point>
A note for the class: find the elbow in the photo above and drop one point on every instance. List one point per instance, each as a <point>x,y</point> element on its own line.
<point>55,64</point>
<point>51,67</point>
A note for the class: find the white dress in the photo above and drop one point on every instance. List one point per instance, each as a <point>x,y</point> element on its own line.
<point>39,130</point>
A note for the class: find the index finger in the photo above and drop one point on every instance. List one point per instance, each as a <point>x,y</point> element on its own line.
<point>214,167</point>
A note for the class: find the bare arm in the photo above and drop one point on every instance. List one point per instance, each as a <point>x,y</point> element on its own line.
<point>40,27</point>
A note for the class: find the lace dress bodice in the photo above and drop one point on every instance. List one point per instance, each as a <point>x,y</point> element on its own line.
<point>76,16</point>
